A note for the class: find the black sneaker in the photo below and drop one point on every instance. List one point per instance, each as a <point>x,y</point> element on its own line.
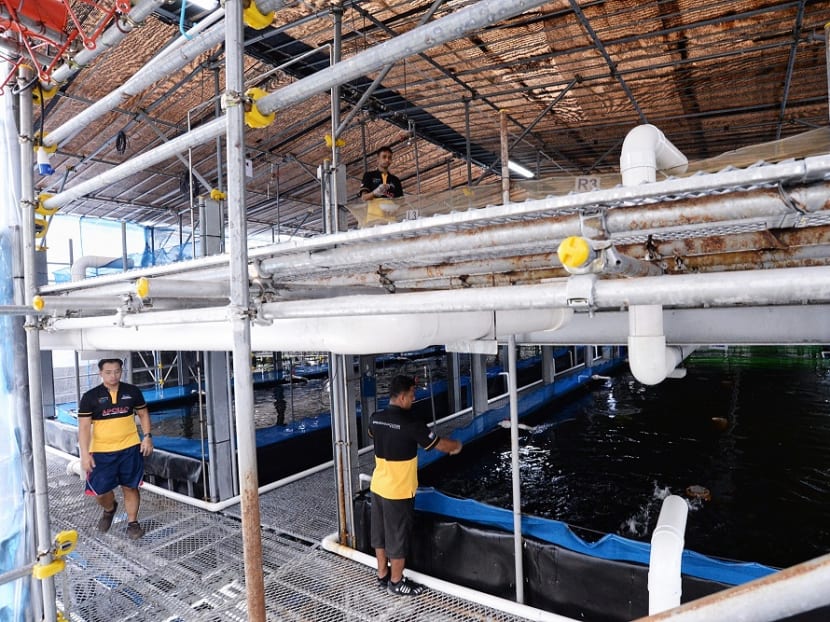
<point>105,522</point>
<point>405,587</point>
<point>134,530</point>
<point>384,580</point>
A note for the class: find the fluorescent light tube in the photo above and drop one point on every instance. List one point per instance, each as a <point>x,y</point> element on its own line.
<point>520,170</point>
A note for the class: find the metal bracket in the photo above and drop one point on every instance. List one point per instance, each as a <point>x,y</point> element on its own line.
<point>479,346</point>
<point>388,284</point>
<point>232,98</point>
<point>579,292</point>
<point>592,224</point>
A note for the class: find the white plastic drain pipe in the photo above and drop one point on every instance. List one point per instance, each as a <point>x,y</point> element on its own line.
<point>646,150</point>
<point>80,265</point>
<point>664,580</point>
<point>356,335</point>
<point>650,360</point>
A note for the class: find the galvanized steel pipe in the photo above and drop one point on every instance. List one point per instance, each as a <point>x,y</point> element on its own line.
<point>480,15</point>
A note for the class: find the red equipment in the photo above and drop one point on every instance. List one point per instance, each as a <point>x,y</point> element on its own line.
<point>41,32</point>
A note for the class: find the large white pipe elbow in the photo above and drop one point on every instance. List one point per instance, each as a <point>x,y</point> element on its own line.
<point>80,265</point>
<point>667,541</point>
<point>649,359</point>
<point>646,150</point>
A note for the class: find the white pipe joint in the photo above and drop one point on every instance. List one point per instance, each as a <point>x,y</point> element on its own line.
<point>646,150</point>
<point>80,265</point>
<point>650,360</point>
<point>667,541</point>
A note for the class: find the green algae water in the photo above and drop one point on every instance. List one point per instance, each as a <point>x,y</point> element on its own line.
<point>750,425</point>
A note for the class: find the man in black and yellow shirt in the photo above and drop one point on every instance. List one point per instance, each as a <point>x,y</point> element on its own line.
<point>111,451</point>
<point>397,434</point>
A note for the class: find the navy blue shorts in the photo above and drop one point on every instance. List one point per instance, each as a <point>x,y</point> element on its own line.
<point>113,468</point>
<point>391,528</point>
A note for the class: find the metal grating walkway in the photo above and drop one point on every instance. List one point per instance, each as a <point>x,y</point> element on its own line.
<point>189,565</point>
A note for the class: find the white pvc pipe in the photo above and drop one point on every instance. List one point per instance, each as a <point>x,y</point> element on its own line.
<point>360,335</point>
<point>667,541</point>
<point>81,264</point>
<point>331,544</point>
<point>648,357</point>
<point>646,150</point>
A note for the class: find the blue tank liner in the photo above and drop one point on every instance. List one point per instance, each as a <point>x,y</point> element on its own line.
<point>610,546</point>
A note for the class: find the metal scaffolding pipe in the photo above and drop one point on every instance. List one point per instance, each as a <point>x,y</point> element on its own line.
<point>243,395</point>
<point>112,36</point>
<point>760,207</point>
<point>515,472</point>
<point>167,62</point>
<point>480,15</point>
<point>41,486</point>
<point>753,288</point>
<point>449,28</point>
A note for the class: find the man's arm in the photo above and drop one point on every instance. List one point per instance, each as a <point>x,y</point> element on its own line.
<point>448,446</point>
<point>146,428</point>
<point>84,440</point>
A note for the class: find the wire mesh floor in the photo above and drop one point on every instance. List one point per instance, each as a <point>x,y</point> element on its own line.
<point>189,564</point>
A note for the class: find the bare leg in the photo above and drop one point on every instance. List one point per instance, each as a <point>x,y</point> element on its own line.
<point>131,502</point>
<point>380,554</point>
<point>106,501</point>
<point>397,569</point>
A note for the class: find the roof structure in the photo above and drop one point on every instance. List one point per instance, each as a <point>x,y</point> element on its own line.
<point>573,78</point>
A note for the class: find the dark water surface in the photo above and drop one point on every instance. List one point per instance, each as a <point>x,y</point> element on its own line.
<point>604,461</point>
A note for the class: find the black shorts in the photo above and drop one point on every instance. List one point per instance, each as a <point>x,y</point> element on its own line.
<point>392,521</point>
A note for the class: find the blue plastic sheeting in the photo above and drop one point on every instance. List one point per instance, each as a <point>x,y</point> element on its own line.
<point>14,596</point>
<point>610,546</point>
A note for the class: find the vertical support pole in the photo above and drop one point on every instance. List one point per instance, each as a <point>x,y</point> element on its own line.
<point>368,396</point>
<point>332,224</point>
<point>27,199</point>
<point>344,426</point>
<point>221,462</point>
<point>454,381</point>
<point>478,379</point>
<point>468,152</point>
<point>517,477</point>
<point>505,155</point>
<point>239,313</point>
<point>344,434</point>
<point>217,112</point>
<point>827,53</point>
<point>548,365</point>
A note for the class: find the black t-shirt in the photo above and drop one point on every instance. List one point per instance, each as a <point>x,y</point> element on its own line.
<point>373,179</point>
<point>397,434</point>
